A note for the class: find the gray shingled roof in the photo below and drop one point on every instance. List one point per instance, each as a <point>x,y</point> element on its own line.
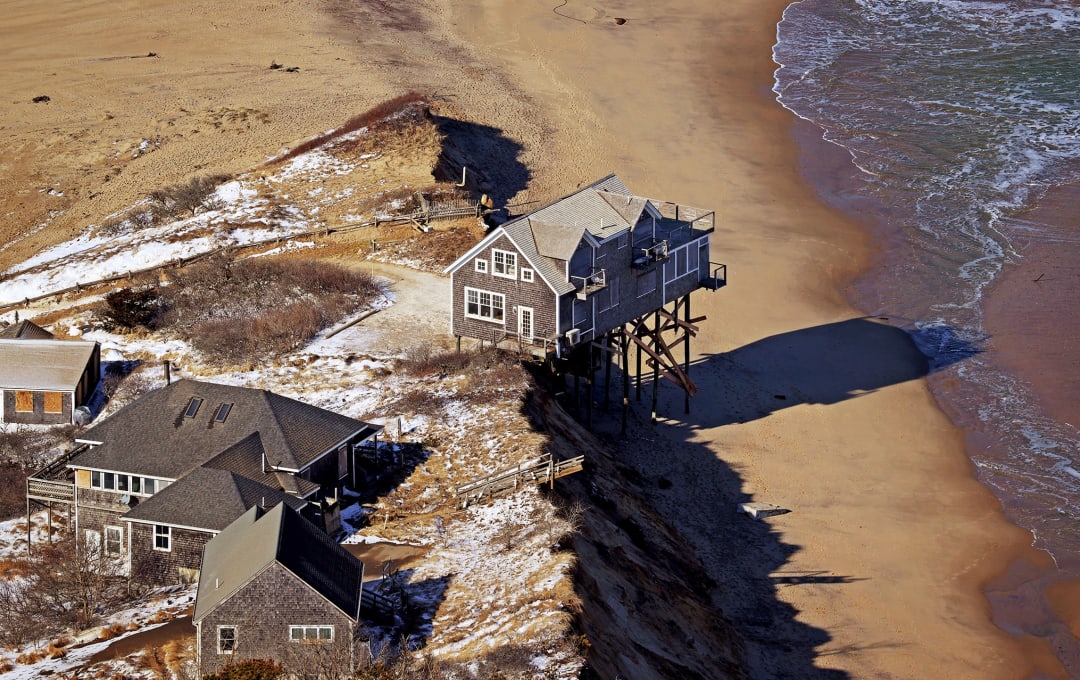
<point>258,539</point>
<point>246,458</point>
<point>26,330</point>
<point>55,365</point>
<point>587,208</point>
<point>558,241</point>
<point>152,436</point>
<point>209,499</point>
<point>553,232</point>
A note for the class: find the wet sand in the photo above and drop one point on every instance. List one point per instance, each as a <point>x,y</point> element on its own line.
<point>677,101</point>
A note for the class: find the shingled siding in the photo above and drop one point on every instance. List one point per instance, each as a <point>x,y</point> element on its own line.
<point>38,416</point>
<point>534,294</point>
<point>161,567</point>
<point>627,284</point>
<point>262,612</point>
<point>95,509</point>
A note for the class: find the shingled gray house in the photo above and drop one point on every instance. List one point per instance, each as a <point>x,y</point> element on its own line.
<point>272,587</point>
<point>167,472</point>
<point>167,531</point>
<point>42,379</point>
<point>573,270</point>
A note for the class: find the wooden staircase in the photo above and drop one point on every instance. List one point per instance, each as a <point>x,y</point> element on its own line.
<point>542,470</point>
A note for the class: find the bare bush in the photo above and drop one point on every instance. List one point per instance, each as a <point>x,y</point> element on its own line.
<point>180,199</point>
<point>259,307</point>
<point>66,585</point>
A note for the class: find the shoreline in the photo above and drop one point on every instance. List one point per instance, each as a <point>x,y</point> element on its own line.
<point>977,543</point>
<point>679,103</point>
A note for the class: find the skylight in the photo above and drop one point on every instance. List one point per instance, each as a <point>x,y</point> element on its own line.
<point>222,412</point>
<point>193,407</point>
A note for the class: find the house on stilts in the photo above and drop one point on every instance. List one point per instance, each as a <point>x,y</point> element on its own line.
<point>599,270</point>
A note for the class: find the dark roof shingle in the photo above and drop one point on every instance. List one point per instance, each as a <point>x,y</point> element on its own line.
<point>208,499</point>
<point>259,538</point>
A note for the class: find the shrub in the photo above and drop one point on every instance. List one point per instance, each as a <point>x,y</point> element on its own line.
<point>184,198</point>
<point>260,307</point>
<point>249,669</point>
<point>127,308</point>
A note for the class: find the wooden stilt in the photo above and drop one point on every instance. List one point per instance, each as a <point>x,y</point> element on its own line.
<point>607,372</point>
<point>686,351</point>
<point>577,391</point>
<point>589,387</point>
<point>48,521</point>
<point>655,373</point>
<point>625,343</point>
<point>637,375</point>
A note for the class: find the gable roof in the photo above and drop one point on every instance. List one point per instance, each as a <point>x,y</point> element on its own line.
<point>26,330</point>
<point>258,539</point>
<point>246,457</point>
<point>153,437</point>
<point>55,365</point>
<point>208,499</point>
<point>554,231</point>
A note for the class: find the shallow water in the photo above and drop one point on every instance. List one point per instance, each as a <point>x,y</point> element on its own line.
<point>962,120</point>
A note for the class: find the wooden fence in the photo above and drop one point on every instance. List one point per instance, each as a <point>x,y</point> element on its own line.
<point>439,210</point>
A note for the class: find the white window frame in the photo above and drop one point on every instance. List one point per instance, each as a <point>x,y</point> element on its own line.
<point>167,536</point>
<point>304,639</point>
<point>527,275</point>
<point>479,305</point>
<point>532,323</point>
<point>507,269</point>
<point>481,265</point>
<point>119,540</point>
<point>97,481</point>
<point>234,640</point>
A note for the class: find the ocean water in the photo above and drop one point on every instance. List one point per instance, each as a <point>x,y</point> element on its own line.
<point>959,116</point>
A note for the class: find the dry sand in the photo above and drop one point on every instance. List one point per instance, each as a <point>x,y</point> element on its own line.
<point>876,572</point>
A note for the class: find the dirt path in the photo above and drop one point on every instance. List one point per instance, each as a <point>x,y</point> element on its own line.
<point>418,316</point>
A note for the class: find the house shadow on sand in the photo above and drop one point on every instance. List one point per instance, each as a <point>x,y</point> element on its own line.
<point>674,581</point>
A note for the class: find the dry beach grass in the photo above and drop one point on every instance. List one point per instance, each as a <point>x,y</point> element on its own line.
<point>876,572</point>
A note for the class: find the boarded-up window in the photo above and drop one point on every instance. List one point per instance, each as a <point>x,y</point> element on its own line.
<point>54,402</point>
<point>24,400</point>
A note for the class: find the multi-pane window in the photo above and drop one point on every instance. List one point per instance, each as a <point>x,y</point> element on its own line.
<point>311,633</point>
<point>114,540</point>
<point>162,537</point>
<point>226,639</point>
<point>504,263</point>
<point>526,275</point>
<point>482,304</point>
<point>111,481</point>
<point>481,265</point>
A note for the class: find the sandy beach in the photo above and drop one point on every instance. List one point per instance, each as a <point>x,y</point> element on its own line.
<point>879,568</point>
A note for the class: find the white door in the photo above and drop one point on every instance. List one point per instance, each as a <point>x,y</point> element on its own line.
<point>525,323</point>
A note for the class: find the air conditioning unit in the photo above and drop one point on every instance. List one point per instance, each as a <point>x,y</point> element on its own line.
<point>572,335</point>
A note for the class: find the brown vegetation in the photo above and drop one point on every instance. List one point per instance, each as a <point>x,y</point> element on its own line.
<point>239,312</point>
<point>167,204</point>
<point>392,115</point>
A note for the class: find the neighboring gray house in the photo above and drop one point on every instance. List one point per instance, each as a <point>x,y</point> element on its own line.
<point>573,270</point>
<point>166,532</point>
<point>274,586</point>
<point>42,379</point>
<point>273,446</point>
